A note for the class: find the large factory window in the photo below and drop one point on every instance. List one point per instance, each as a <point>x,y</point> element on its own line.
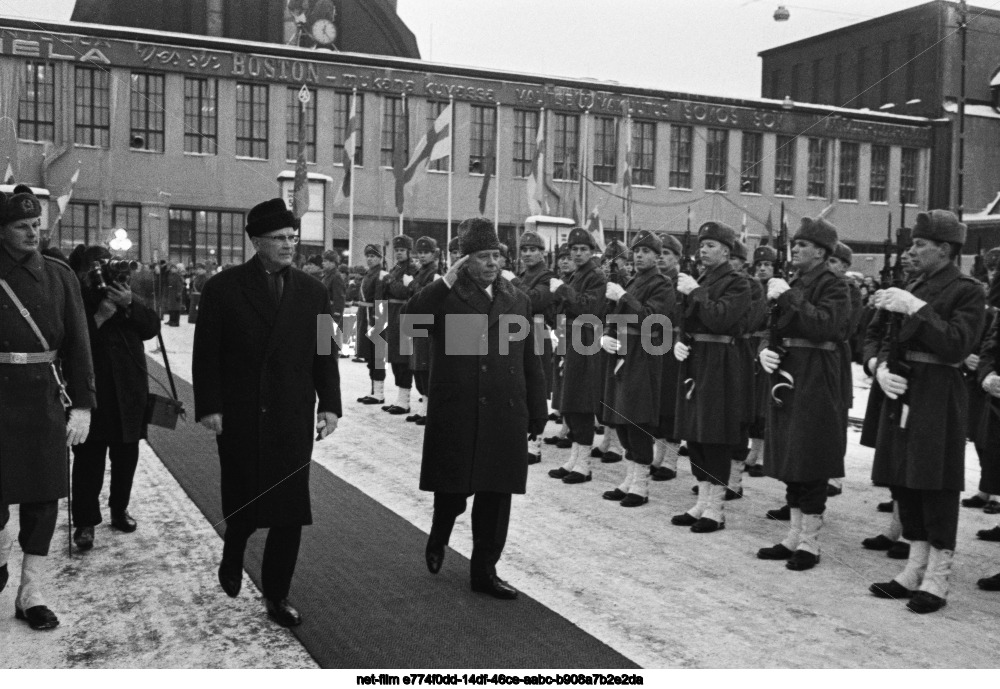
<point>78,225</point>
<point>91,107</point>
<point>525,141</point>
<point>251,120</point>
<point>565,150</point>
<point>129,218</point>
<point>643,153</point>
<point>879,175</point>
<point>847,189</point>
<point>146,105</point>
<point>716,159</point>
<point>605,150</point>
<point>200,235</point>
<point>816,181</point>
<point>482,139</point>
<point>784,166</point>
<point>342,117</point>
<point>680,156</point>
<point>750,163</point>
<point>908,175</point>
<point>395,130</point>
<point>293,111</point>
<point>201,132</point>
<point>36,111</point>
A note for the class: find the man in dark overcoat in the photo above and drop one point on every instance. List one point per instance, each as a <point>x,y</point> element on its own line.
<point>764,258</point>
<point>333,281</point>
<point>420,359</point>
<point>257,375</point>
<point>483,403</point>
<point>582,301</point>
<point>373,351</point>
<point>632,378</point>
<point>921,439</point>
<point>664,465</point>
<point>806,437</point>
<point>34,430</point>
<point>396,290</point>
<point>711,399</point>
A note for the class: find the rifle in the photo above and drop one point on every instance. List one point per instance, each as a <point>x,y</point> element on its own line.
<point>895,362</point>
<point>781,378</point>
<point>687,266</point>
<point>615,276</point>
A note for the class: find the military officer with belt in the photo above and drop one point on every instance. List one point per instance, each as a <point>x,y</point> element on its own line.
<point>664,465</point>
<point>396,288</point>
<point>764,258</point>
<point>420,360</point>
<point>372,350</point>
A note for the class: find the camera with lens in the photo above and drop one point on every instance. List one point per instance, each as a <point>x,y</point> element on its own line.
<point>109,271</point>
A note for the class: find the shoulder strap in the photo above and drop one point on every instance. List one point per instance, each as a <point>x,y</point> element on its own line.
<point>24,313</point>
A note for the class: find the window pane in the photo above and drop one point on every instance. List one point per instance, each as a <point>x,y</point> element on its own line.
<point>816,182</point>
<point>680,156</point>
<point>482,139</point>
<point>200,118</point>
<point>293,111</point>
<point>750,163</point>
<point>605,150</point>
<point>525,141</point>
<point>848,186</point>
<point>566,147</point>
<point>251,120</point>
<point>78,225</point>
<point>908,175</point>
<point>879,174</point>
<point>146,112</point>
<point>643,153</point>
<point>91,107</point>
<point>129,218</point>
<point>36,112</point>
<point>784,166</point>
<point>342,116</point>
<point>716,159</point>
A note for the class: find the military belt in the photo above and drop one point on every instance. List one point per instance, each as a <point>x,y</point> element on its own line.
<point>28,357</point>
<point>803,343</point>
<point>928,358</point>
<point>396,301</point>
<point>365,303</point>
<point>709,337</point>
<point>759,333</point>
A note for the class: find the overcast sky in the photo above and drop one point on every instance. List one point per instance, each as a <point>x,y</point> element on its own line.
<point>696,46</point>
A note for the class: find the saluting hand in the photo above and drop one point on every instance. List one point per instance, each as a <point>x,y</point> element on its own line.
<point>452,275</point>
<point>686,284</point>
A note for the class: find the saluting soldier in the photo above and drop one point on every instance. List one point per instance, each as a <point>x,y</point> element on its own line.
<point>921,440</point>
<point>396,288</point>
<point>805,434</point>
<point>372,351</point>
<point>764,258</point>
<point>43,324</point>
<point>664,465</point>
<point>583,303</point>
<point>534,282</point>
<point>710,396</point>
<point>632,378</point>
<point>420,359</point>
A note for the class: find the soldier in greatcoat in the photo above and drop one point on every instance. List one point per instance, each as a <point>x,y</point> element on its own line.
<point>396,290</point>
<point>34,429</point>
<point>633,375</point>
<point>583,304</point>
<point>420,360</point>
<point>534,282</point>
<point>711,393</point>
<point>614,263</point>
<point>921,440</point>
<point>482,405</point>
<point>257,375</point>
<point>806,437</point>
<point>372,346</point>
<point>664,464</point>
<point>988,439</point>
<point>764,258</point>
<point>564,269</point>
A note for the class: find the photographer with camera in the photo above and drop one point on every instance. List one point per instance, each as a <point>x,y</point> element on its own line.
<point>118,322</point>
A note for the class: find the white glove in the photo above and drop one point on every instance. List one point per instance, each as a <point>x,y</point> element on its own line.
<point>686,284</point>
<point>383,274</point>
<point>452,274</point>
<point>438,276</point>
<point>898,301</point>
<point>769,360</point>
<point>681,351</point>
<point>991,385</point>
<point>507,275</point>
<point>554,338</point>
<point>407,279</point>
<point>775,288</point>
<point>972,362</point>
<point>872,363</point>
<point>77,427</point>
<point>610,344</point>
<point>326,423</point>
<point>892,385</point>
<point>614,292</point>
<point>554,284</point>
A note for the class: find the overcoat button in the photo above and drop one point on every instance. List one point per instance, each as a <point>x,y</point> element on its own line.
<point>482,400</point>
<point>483,368</point>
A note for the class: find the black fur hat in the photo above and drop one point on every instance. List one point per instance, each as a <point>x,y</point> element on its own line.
<point>477,234</point>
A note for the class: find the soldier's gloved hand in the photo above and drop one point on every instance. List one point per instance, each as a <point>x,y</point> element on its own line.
<point>507,275</point>
<point>991,385</point>
<point>382,274</point>
<point>77,427</point>
<point>326,423</point>
<point>776,287</point>
<point>681,351</point>
<point>872,363</point>
<point>213,422</point>
<point>554,284</point>
<point>610,344</point>
<point>686,284</point>
<point>452,274</point>
<point>407,279</point>
<point>536,426</point>
<point>769,360</point>
<point>972,362</point>
<point>892,385</point>
<point>614,292</point>
<point>900,301</point>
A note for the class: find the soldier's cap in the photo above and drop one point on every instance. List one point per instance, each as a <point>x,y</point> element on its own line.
<point>765,253</point>
<point>844,253</point>
<point>477,234</point>
<point>331,255</point>
<point>649,240</point>
<point>22,204</point>
<point>671,243</point>
<point>428,244</point>
<point>939,226</point>
<point>562,251</point>
<point>373,250</point>
<point>530,238</point>
<point>455,244</point>
<point>739,250</point>
<point>992,258</point>
<point>819,232</point>
<point>269,216</point>
<point>719,232</point>
<point>402,241</point>
<point>615,249</point>
<point>578,235</point>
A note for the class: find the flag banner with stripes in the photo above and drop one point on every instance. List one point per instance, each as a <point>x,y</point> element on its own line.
<point>63,201</point>
<point>536,185</point>
<point>350,147</point>
<point>300,189</point>
<point>399,157</point>
<point>596,229</point>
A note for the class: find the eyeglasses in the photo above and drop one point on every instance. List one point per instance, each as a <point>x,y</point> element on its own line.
<point>280,238</point>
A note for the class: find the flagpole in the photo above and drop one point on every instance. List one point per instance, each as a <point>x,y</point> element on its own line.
<point>406,123</point>
<point>584,167</point>
<point>451,165</point>
<point>496,175</point>
<point>350,204</point>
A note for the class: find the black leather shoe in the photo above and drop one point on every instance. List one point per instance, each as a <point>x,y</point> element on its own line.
<point>422,421</point>
<point>83,537</point>
<point>833,491</point>
<point>551,440</point>
<point>231,578</point>
<point>782,514</point>
<point>413,417</point>
<point>986,584</point>
<point>633,500</point>
<point>755,470</point>
<point>989,534</point>
<point>662,474</point>
<point>924,602</point>
<point>884,506</point>
<point>564,443</point>
<point>282,612</point>
<point>387,407</point>
<point>434,555</point>
<point>775,552</point>
<point>734,494</point>
<point>900,550</point>
<point>683,519</point>
<point>890,589</point>
<point>4,576</point>
<point>495,586</point>
<point>397,410</point>
<point>577,477</point>
<point>610,457</point>
<point>992,507</point>
<point>615,494</point>
<point>706,525</point>
<point>38,617</point>
<point>880,542</point>
<point>123,521</point>
<point>558,473</point>
<point>975,502</point>
<point>534,459</point>
<point>802,560</point>
<point>368,399</point>
<point>596,453</point>
<point>359,360</point>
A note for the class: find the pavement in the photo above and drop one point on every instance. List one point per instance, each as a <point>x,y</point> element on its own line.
<point>659,594</point>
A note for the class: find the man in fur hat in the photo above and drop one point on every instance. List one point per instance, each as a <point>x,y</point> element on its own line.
<point>396,290</point>
<point>664,464</point>
<point>427,254</point>
<point>764,259</point>
<point>373,351</point>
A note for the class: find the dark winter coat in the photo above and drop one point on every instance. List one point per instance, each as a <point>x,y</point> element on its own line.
<point>869,349</point>
<point>668,378</point>
<point>396,293</point>
<point>173,299</point>
<point>977,396</point>
<point>32,418</point>
<point>632,392</point>
<point>761,380</point>
<point>807,436</point>
<point>336,293</point>
<point>420,359</point>
<point>715,410</point>
<point>583,304</point>
<point>988,426</point>
<point>256,363</point>
<point>929,454</point>
<point>756,318</point>
<point>479,406</point>
<point>371,292</point>
<point>534,282</point>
